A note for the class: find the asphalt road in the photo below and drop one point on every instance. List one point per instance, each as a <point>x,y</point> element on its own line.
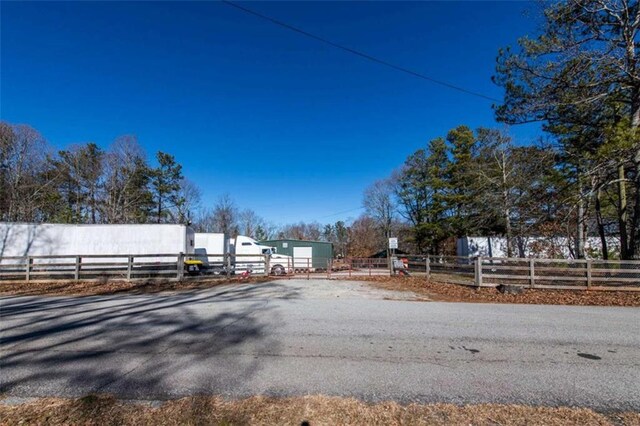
<point>318,337</point>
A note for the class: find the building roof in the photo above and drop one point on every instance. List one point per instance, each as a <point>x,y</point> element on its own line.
<point>383,253</point>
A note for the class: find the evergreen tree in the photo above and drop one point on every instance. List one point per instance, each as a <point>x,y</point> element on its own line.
<point>342,237</point>
<point>423,191</point>
<point>78,174</point>
<point>260,233</point>
<point>462,145</point>
<point>165,186</point>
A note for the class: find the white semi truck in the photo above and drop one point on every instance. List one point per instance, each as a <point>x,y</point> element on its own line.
<point>244,254</point>
<point>202,251</point>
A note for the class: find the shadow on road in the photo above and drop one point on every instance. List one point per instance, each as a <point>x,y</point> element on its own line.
<point>75,345</point>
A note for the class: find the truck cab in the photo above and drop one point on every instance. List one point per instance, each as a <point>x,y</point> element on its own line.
<point>243,246</point>
<point>246,254</point>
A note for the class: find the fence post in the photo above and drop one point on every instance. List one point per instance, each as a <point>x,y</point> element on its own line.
<point>369,263</point>
<point>589,261</point>
<point>180,266</point>
<point>129,266</point>
<point>308,268</point>
<point>532,272</point>
<point>267,265</point>
<point>329,267</point>
<point>428,268</point>
<point>478,270</point>
<point>76,274</point>
<point>28,268</point>
<point>350,266</point>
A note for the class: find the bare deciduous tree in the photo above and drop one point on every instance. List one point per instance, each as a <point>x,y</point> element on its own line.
<point>189,196</point>
<point>222,218</point>
<point>380,206</point>
<point>508,181</point>
<point>127,198</point>
<point>23,154</point>
<point>250,223</point>
<point>364,237</point>
<point>302,231</point>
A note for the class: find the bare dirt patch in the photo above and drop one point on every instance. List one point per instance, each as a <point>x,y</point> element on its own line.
<point>104,287</point>
<point>314,410</point>
<point>459,293</point>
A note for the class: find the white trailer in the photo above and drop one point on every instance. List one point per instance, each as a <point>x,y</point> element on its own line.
<point>210,249</point>
<point>544,247</point>
<point>48,239</point>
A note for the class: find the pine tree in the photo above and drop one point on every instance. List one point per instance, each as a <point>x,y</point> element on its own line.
<point>423,191</point>
<point>165,186</point>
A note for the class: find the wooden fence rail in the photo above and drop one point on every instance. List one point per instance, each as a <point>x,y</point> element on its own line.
<point>589,274</point>
<point>130,266</point>
<point>579,274</point>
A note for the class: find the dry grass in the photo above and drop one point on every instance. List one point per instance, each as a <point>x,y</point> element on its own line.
<point>316,410</point>
<point>418,285</point>
<point>460,293</point>
<point>103,287</point>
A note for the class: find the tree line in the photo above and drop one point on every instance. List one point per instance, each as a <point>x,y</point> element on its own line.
<point>580,78</point>
<point>86,184</point>
<point>226,217</point>
<point>471,183</point>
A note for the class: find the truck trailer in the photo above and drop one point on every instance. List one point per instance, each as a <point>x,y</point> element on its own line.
<point>20,240</point>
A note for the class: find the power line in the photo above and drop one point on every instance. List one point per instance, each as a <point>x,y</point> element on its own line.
<point>358,53</point>
<point>342,212</point>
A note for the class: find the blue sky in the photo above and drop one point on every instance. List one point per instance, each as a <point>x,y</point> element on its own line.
<point>290,127</point>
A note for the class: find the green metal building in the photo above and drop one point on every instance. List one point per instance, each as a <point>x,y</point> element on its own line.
<point>319,252</point>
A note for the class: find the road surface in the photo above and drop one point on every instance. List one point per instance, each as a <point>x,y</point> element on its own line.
<point>301,337</point>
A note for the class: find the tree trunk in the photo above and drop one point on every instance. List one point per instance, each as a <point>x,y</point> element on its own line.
<point>622,214</point>
<point>506,209</point>
<point>93,206</point>
<point>579,254</point>
<point>633,250</point>
<point>633,245</point>
<point>580,231</point>
<point>601,230</point>
<point>509,232</point>
<point>159,208</point>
